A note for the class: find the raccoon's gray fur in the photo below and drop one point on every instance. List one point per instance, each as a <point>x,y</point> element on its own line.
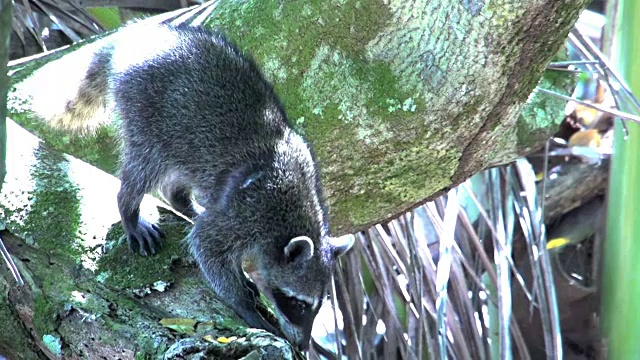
<point>197,116</point>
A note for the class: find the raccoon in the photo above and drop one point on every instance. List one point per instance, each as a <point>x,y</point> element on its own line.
<point>197,116</point>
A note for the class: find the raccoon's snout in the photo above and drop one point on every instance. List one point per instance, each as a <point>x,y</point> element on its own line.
<point>298,335</point>
<point>295,315</point>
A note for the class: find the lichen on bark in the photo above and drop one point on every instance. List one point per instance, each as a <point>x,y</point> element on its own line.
<point>402,99</point>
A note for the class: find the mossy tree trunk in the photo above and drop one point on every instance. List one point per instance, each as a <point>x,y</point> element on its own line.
<point>401,100</point>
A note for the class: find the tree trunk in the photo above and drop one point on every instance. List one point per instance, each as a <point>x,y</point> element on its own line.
<point>401,101</point>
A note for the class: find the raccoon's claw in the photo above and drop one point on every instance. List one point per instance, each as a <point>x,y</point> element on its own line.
<point>145,238</point>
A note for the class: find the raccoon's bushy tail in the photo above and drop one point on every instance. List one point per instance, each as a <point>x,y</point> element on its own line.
<point>71,93</point>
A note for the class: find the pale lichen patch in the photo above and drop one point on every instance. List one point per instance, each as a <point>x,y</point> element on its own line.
<point>332,81</point>
<point>274,69</point>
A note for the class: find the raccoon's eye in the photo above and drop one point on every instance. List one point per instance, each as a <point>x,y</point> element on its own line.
<point>300,306</point>
<point>297,311</point>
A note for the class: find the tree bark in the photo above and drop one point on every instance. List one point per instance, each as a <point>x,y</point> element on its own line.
<point>400,99</point>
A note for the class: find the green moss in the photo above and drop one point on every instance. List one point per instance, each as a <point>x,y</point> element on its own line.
<point>44,315</point>
<point>400,184</point>
<point>335,87</point>
<point>53,219</point>
<point>63,294</point>
<point>100,149</point>
<point>121,268</point>
<point>353,94</point>
<point>543,113</point>
<point>469,110</point>
<point>150,347</point>
<point>18,336</point>
<point>361,97</point>
<point>288,56</point>
<point>404,184</point>
<point>291,26</point>
<point>115,331</point>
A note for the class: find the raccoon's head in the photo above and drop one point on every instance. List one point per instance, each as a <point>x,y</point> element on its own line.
<point>295,281</point>
<point>280,220</point>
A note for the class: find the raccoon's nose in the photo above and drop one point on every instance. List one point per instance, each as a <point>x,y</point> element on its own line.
<point>304,344</point>
<point>303,340</point>
<point>298,338</point>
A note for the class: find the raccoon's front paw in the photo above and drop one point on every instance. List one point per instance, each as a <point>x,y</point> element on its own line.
<point>144,238</point>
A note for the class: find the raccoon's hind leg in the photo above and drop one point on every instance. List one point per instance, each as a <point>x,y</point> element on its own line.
<point>138,178</point>
<point>177,191</point>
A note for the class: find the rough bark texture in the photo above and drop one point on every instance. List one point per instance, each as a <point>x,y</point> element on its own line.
<point>401,100</point>
<point>575,184</point>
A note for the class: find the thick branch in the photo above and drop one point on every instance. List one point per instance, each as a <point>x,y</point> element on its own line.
<point>400,100</point>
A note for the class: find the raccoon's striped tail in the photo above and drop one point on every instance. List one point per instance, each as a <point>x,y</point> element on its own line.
<point>71,93</point>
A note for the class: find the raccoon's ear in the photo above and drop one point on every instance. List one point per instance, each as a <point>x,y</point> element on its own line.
<point>342,244</point>
<point>300,248</point>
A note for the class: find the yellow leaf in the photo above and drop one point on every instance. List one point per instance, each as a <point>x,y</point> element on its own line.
<point>557,242</point>
<point>225,340</point>
<point>588,138</point>
<point>208,338</point>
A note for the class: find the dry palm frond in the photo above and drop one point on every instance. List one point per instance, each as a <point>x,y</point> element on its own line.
<point>438,281</point>
<point>593,62</point>
<point>39,18</point>
<point>10,263</point>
